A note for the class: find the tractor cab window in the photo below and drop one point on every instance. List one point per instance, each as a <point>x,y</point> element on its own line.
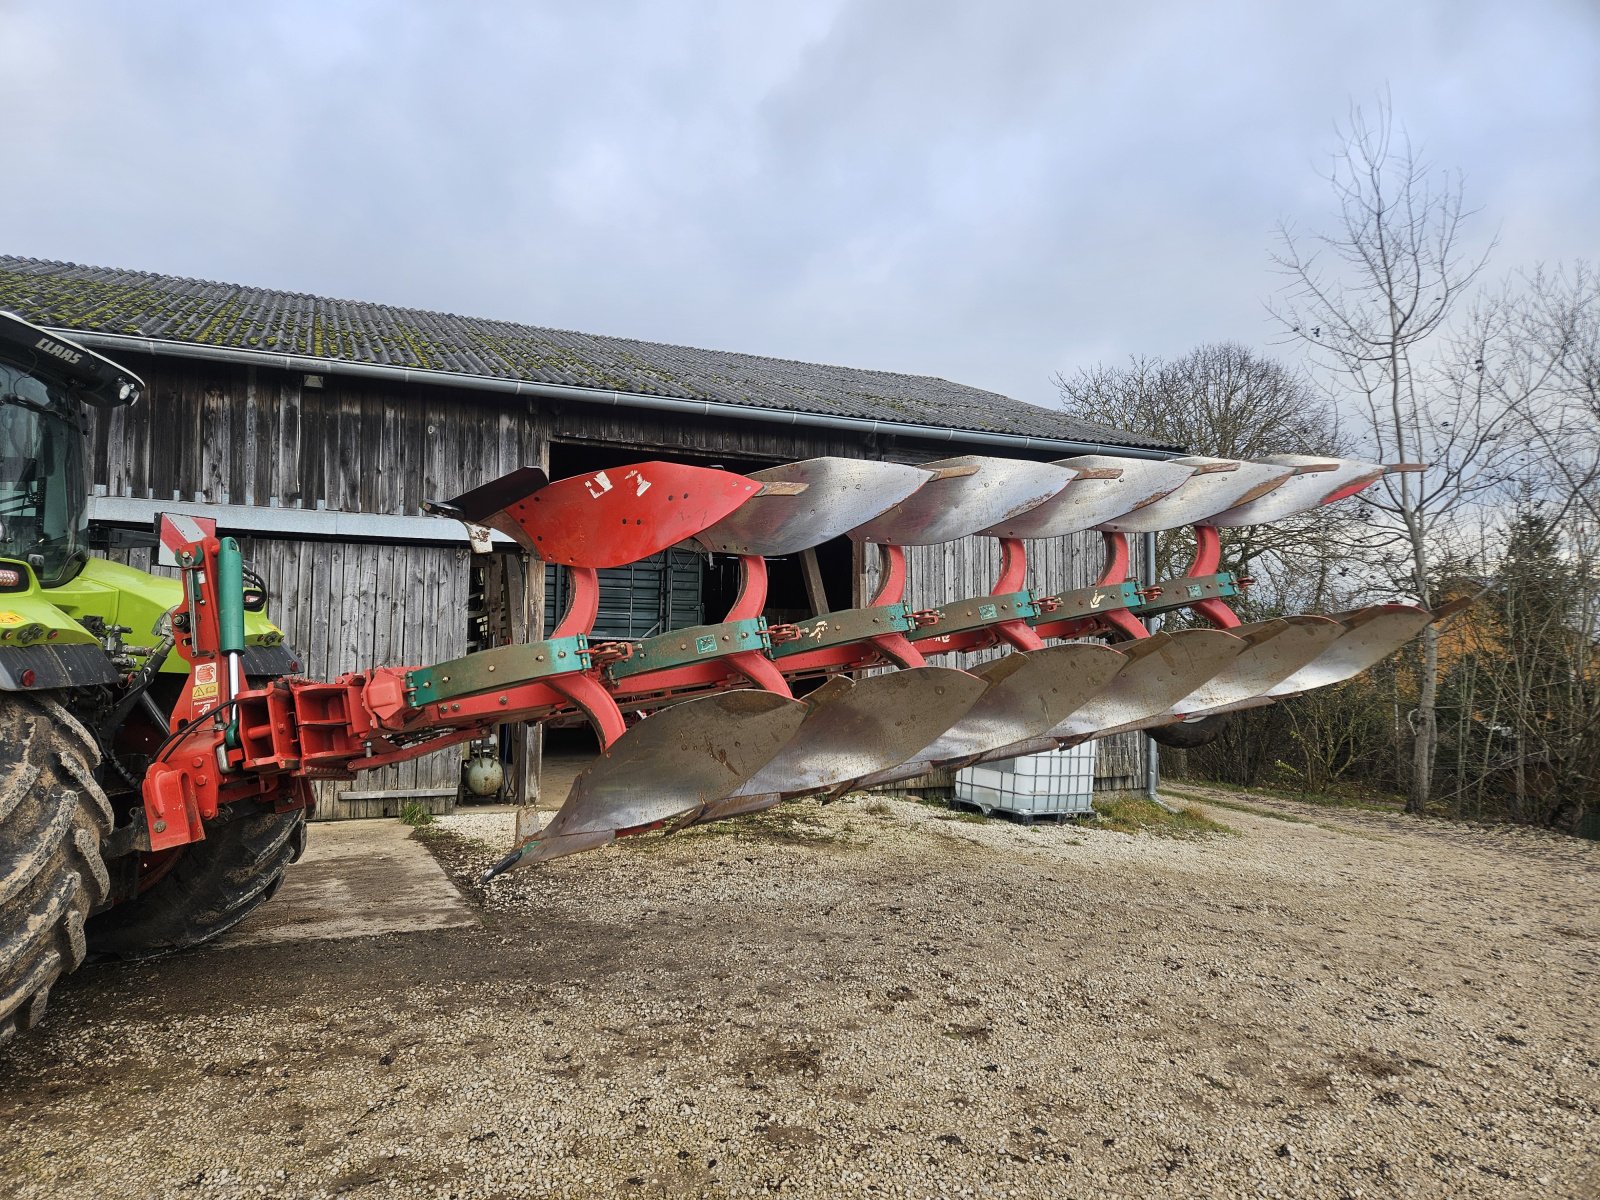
<point>43,485</point>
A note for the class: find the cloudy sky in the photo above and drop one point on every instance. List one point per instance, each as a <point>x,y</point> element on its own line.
<point>990,192</point>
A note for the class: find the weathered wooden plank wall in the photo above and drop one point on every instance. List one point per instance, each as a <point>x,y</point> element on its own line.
<point>244,435</point>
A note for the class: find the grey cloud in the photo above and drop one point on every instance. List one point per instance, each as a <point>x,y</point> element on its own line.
<point>985,192</point>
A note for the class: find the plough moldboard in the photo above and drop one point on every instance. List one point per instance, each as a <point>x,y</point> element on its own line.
<point>702,724</point>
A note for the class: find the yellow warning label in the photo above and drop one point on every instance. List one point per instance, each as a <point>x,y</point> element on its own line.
<point>11,618</point>
<point>205,682</point>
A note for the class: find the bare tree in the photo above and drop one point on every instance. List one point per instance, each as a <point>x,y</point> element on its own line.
<point>1538,347</point>
<point>1228,401</point>
<point>1221,399</point>
<point>1540,354</point>
<point>1372,297</point>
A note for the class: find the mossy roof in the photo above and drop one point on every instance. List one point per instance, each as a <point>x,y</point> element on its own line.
<point>202,312</point>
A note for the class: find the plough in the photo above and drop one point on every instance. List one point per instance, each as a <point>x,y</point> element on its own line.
<point>158,747</point>
<point>704,723</point>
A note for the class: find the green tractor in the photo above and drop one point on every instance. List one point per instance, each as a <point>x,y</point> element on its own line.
<point>87,686</point>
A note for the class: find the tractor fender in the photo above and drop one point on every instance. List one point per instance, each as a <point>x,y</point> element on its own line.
<point>41,668</point>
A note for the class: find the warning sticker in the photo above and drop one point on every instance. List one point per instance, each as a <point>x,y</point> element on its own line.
<point>205,682</point>
<point>11,618</point>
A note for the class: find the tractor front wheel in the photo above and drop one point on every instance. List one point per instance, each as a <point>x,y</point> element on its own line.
<point>214,884</point>
<point>53,816</point>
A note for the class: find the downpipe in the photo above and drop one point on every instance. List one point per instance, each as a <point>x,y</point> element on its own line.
<point>1152,750</point>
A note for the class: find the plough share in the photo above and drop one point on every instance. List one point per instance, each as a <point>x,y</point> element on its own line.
<point>701,724</point>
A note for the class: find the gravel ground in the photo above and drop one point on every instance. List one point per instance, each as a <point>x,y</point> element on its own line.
<point>872,999</point>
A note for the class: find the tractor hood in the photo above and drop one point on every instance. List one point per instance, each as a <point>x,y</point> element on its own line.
<point>114,594</point>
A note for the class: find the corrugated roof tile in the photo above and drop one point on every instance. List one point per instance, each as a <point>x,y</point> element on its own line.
<point>107,300</point>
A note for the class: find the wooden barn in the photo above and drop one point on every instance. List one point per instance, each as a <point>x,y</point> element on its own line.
<point>314,430</point>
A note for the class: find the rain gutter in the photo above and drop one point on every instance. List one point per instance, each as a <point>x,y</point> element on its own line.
<point>602,397</point>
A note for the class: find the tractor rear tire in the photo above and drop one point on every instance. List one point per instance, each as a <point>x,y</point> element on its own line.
<point>53,816</point>
<point>217,883</point>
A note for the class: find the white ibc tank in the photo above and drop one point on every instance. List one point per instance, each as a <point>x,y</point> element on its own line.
<point>1059,783</point>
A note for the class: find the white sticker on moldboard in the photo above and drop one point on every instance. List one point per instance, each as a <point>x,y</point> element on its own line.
<point>603,482</point>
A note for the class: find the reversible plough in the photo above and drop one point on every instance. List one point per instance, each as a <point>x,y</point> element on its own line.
<point>701,724</point>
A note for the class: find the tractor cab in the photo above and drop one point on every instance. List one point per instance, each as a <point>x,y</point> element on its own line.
<point>44,382</point>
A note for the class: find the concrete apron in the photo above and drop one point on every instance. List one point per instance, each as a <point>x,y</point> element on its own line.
<point>356,879</point>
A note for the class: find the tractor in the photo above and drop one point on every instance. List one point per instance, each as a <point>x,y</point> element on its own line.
<point>88,683</point>
<point>158,743</point>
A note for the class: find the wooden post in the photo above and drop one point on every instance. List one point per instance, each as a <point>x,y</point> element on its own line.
<point>527,751</point>
<point>524,580</point>
<point>816,594</point>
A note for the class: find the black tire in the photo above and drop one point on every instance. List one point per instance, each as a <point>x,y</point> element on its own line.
<point>1190,735</point>
<point>217,883</point>
<point>53,816</point>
